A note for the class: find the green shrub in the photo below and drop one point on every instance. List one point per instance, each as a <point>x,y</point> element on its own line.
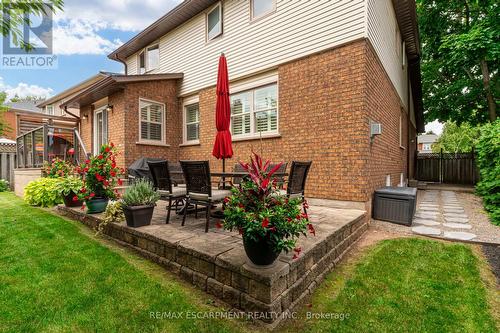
<point>140,193</point>
<point>70,184</point>
<point>4,185</point>
<point>488,161</point>
<point>43,192</point>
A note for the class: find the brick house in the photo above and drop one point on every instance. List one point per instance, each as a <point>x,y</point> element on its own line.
<point>307,80</point>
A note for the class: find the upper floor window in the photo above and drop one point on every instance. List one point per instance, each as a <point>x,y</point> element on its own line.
<point>262,7</point>
<point>214,22</point>
<point>49,109</point>
<point>255,111</point>
<point>192,122</point>
<point>427,146</point>
<point>142,62</point>
<point>152,121</point>
<point>153,57</point>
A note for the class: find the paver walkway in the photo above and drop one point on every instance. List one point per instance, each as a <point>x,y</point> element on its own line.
<point>439,213</point>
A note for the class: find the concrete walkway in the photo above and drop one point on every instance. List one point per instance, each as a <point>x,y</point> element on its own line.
<point>440,214</point>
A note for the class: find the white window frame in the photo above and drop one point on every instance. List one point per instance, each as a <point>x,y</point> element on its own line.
<point>253,133</point>
<point>163,123</point>
<point>103,111</point>
<point>157,46</point>
<point>51,112</point>
<point>186,102</point>
<point>143,53</point>
<point>253,18</point>
<point>427,146</point>
<point>219,7</point>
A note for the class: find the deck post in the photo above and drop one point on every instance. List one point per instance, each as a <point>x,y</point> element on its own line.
<point>45,143</point>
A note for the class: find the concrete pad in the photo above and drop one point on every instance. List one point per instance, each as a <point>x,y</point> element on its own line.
<point>459,235</point>
<point>456,220</point>
<point>457,225</point>
<point>428,231</point>
<point>427,222</point>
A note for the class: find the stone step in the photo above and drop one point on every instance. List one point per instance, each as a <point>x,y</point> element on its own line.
<point>459,235</point>
<point>457,225</point>
<point>428,231</point>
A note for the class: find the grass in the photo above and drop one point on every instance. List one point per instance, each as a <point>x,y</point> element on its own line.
<point>55,276</point>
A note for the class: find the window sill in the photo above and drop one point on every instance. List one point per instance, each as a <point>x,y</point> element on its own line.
<point>159,144</point>
<point>401,147</point>
<point>190,143</point>
<point>256,137</point>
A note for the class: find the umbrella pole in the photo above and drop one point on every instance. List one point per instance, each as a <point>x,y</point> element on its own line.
<point>223,170</point>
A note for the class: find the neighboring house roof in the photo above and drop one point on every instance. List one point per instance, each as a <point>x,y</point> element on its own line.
<point>427,138</point>
<point>111,83</point>
<point>30,106</point>
<point>73,90</point>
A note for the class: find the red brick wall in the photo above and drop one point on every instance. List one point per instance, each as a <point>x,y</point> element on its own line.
<point>325,104</point>
<point>9,118</point>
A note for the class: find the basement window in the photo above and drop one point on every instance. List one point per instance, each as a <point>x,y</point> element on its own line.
<point>214,22</point>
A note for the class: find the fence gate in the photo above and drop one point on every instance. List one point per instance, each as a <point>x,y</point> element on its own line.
<point>449,168</point>
<point>7,165</point>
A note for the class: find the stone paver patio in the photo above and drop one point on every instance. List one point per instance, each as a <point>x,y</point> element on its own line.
<point>216,261</point>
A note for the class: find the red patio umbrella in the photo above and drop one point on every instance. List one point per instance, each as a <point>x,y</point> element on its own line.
<point>223,146</point>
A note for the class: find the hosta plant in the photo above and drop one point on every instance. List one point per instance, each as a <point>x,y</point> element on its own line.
<point>43,192</point>
<point>69,185</point>
<point>261,213</point>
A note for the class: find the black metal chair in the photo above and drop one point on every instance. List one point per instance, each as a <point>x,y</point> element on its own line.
<point>297,180</point>
<point>199,187</point>
<point>237,180</point>
<point>162,182</point>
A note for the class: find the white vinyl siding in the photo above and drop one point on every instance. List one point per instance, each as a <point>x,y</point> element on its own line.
<point>192,122</point>
<point>255,112</point>
<point>152,122</point>
<point>296,29</point>
<point>385,37</point>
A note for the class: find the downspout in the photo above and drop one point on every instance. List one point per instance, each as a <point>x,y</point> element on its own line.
<point>123,62</point>
<point>408,122</point>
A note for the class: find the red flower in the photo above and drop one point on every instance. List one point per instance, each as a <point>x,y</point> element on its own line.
<point>87,161</point>
<point>240,230</point>
<point>311,229</point>
<point>105,183</point>
<point>112,173</point>
<point>304,216</point>
<point>265,222</point>
<point>92,194</point>
<point>75,198</point>
<point>218,225</point>
<point>113,164</point>
<point>240,205</point>
<point>100,157</point>
<point>226,200</point>
<point>305,204</point>
<point>112,144</point>
<point>297,251</point>
<point>99,177</point>
<point>120,182</point>
<point>71,151</point>
<point>107,149</point>
<point>289,219</point>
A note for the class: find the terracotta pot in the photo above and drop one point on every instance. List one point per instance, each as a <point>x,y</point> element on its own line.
<point>97,205</point>
<point>260,252</point>
<point>69,202</point>
<point>138,216</point>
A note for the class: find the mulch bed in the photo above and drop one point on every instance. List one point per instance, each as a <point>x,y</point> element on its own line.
<point>492,253</point>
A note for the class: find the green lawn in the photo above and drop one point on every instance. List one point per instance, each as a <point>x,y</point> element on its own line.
<point>55,276</point>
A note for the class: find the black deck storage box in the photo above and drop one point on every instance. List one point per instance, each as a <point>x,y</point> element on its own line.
<point>395,204</point>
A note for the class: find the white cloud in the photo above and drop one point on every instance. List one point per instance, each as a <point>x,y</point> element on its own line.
<point>78,28</point>
<point>434,126</point>
<point>23,90</point>
<point>81,37</point>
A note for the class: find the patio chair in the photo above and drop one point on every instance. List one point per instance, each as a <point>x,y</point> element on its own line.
<point>238,180</point>
<point>160,173</point>
<point>176,174</point>
<point>199,187</point>
<point>297,180</point>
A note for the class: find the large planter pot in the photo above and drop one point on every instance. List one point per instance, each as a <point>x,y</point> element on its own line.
<point>69,202</point>
<point>138,216</point>
<point>260,252</point>
<point>97,205</point>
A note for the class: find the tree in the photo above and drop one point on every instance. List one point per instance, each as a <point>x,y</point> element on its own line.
<point>14,16</point>
<point>456,138</point>
<point>30,98</point>
<point>460,57</point>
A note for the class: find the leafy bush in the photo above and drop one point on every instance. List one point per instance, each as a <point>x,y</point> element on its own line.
<point>488,160</point>
<point>258,210</point>
<point>58,168</point>
<point>43,192</point>
<point>4,185</point>
<point>140,193</point>
<point>100,175</point>
<point>69,184</point>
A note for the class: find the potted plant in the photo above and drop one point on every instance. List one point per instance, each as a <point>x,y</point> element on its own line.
<point>57,168</point>
<point>69,188</point>
<point>268,221</point>
<point>139,201</point>
<point>100,177</point>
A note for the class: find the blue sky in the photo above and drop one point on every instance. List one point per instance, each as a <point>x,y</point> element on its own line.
<point>83,35</point>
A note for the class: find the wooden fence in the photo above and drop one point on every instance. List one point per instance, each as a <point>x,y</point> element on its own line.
<point>7,165</point>
<point>449,168</point>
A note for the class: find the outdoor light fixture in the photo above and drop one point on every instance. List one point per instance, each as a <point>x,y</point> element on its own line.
<point>109,108</point>
<point>85,116</point>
